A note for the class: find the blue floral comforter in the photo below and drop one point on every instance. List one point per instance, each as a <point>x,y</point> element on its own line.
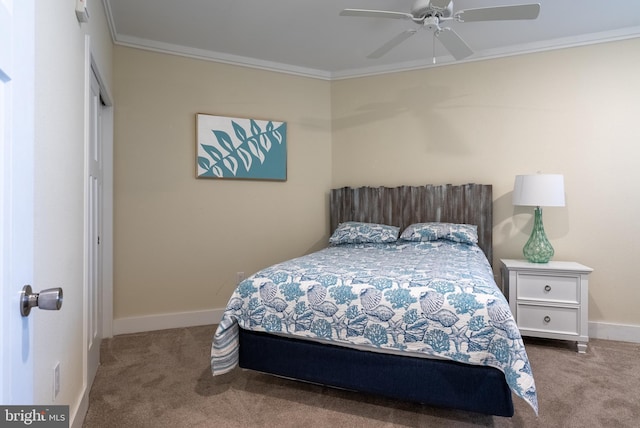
<point>436,298</point>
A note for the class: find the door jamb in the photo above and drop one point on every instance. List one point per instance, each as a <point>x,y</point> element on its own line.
<point>107,193</point>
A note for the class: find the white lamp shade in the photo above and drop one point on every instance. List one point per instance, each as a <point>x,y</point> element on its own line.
<point>542,190</point>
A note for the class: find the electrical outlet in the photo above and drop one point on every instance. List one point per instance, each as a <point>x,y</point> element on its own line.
<point>239,277</point>
<point>56,380</point>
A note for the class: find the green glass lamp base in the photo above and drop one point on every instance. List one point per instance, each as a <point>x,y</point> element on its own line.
<point>538,249</point>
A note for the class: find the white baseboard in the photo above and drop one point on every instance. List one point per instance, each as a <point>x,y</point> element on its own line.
<point>608,331</point>
<point>77,418</point>
<point>166,321</point>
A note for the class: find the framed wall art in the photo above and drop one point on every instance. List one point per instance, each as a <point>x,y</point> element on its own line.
<point>229,147</point>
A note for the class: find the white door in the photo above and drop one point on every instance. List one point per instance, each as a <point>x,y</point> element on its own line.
<point>16,198</point>
<point>93,307</point>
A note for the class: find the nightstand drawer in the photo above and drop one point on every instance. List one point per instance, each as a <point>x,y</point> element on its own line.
<point>548,318</point>
<point>556,288</point>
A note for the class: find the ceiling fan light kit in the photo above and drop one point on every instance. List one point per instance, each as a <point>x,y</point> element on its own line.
<point>430,14</point>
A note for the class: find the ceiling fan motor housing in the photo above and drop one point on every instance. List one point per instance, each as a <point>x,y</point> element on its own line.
<point>431,23</point>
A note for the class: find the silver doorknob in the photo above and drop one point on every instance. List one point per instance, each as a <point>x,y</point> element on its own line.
<point>49,299</point>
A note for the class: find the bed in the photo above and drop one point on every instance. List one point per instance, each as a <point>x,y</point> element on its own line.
<point>402,303</point>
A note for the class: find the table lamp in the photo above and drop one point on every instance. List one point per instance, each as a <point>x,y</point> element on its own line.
<point>538,190</point>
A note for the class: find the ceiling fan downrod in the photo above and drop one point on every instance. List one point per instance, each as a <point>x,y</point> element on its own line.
<point>426,8</point>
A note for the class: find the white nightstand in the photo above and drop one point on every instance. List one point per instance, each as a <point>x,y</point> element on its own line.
<point>549,300</point>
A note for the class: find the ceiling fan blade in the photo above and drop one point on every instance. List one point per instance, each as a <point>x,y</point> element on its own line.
<point>391,44</point>
<point>500,13</point>
<point>453,43</point>
<point>375,14</point>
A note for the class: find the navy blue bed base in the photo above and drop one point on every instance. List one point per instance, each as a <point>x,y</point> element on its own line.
<point>432,382</point>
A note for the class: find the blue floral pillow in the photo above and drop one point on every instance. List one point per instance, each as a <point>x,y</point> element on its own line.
<point>354,232</point>
<point>463,233</point>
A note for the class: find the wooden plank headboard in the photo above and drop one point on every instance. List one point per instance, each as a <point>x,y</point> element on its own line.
<point>401,206</point>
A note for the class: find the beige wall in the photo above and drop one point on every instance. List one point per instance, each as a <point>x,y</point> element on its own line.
<point>179,241</point>
<point>572,111</point>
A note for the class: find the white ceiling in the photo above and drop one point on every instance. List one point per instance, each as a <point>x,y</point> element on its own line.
<point>309,38</point>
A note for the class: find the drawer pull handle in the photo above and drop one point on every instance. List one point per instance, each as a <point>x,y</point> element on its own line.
<point>547,319</point>
<point>547,288</point>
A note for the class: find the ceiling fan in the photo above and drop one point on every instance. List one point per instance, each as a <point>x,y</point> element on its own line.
<point>431,13</point>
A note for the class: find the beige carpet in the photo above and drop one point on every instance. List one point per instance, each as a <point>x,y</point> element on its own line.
<point>162,379</point>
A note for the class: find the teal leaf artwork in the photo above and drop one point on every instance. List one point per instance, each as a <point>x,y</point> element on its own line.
<point>240,148</point>
<point>240,132</point>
